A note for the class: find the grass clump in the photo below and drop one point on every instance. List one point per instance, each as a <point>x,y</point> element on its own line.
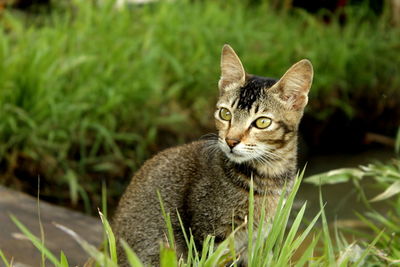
<point>382,223</point>
<point>278,248</point>
<point>89,91</point>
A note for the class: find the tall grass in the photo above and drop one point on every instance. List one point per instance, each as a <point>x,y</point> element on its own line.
<point>276,249</point>
<point>382,223</point>
<point>88,92</point>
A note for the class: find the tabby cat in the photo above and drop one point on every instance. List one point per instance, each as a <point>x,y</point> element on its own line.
<point>207,181</point>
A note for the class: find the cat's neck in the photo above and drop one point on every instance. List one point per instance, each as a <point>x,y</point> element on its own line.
<point>276,168</point>
<point>267,176</point>
<point>266,179</point>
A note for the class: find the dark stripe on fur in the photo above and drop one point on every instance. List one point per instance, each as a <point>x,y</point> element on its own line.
<point>285,127</point>
<point>234,103</point>
<point>240,175</point>
<point>281,142</point>
<point>253,90</point>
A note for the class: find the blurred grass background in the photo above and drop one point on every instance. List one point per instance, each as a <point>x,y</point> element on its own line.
<point>88,91</point>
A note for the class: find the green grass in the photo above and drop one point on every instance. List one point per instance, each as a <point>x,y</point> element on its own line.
<point>385,178</point>
<point>87,92</point>
<point>385,224</point>
<point>315,244</point>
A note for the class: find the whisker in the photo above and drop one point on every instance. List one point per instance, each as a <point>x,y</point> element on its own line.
<point>209,136</point>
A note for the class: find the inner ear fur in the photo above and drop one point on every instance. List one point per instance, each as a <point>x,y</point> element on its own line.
<point>232,71</point>
<point>295,84</point>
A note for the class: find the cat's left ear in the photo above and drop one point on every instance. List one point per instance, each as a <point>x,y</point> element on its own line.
<point>295,84</point>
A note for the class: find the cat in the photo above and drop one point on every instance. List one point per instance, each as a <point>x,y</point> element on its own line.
<point>208,181</point>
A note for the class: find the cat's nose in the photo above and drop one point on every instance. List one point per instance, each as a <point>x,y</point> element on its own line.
<point>232,142</point>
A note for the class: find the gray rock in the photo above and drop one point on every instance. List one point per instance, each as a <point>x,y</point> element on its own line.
<point>15,245</point>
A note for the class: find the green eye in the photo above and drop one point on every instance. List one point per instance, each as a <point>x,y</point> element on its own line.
<point>225,114</point>
<point>262,122</point>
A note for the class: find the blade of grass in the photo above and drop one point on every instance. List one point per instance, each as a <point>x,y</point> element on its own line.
<point>133,259</point>
<point>93,252</point>
<point>211,246</point>
<point>106,238</point>
<point>339,242</point>
<point>168,257</point>
<point>368,249</point>
<point>328,246</point>
<point>274,241</point>
<point>167,219</point>
<point>63,260</point>
<point>204,251</point>
<point>35,241</point>
<point>346,255</point>
<point>275,234</point>
<point>288,248</point>
<point>223,248</point>
<point>215,257</point>
<point>250,224</point>
<point>111,238</point>
<point>4,259</point>
<point>261,235</point>
<point>286,211</point>
<point>308,252</point>
<point>387,222</point>
<point>372,226</point>
<point>299,240</point>
<point>189,243</point>
<point>392,190</point>
<point>193,246</point>
<point>232,251</point>
<point>40,222</point>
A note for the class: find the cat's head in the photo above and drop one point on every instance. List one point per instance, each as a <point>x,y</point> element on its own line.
<point>257,118</point>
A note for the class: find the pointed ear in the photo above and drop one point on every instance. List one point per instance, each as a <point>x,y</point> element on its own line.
<point>295,84</point>
<point>232,71</point>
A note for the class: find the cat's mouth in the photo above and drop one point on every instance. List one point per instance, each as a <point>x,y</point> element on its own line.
<point>236,156</point>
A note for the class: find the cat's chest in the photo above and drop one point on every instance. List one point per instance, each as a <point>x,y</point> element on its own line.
<point>232,206</point>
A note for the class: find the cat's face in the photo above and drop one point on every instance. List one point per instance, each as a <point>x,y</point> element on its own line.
<point>257,118</point>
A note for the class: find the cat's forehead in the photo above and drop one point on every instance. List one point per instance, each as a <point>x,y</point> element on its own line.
<point>253,95</point>
<point>253,90</point>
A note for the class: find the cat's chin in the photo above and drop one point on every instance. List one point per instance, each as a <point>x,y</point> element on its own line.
<point>236,157</point>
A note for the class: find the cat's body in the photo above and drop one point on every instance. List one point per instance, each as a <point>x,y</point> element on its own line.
<point>208,181</point>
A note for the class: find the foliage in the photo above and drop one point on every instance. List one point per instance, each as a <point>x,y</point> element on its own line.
<point>386,223</point>
<point>386,177</point>
<point>277,249</point>
<point>88,91</point>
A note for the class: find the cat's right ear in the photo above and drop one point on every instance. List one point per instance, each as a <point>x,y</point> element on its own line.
<point>232,71</point>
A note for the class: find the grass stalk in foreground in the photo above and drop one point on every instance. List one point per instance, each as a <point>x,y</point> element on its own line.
<point>4,259</point>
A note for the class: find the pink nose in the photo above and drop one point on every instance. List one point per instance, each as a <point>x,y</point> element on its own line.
<point>232,142</point>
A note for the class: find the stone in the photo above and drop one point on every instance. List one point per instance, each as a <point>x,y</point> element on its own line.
<point>25,208</point>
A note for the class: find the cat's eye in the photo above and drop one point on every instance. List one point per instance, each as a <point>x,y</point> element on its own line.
<point>225,114</point>
<point>262,122</point>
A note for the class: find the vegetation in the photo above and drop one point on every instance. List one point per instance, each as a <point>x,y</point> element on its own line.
<point>87,92</point>
<point>384,177</point>
<point>299,243</point>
